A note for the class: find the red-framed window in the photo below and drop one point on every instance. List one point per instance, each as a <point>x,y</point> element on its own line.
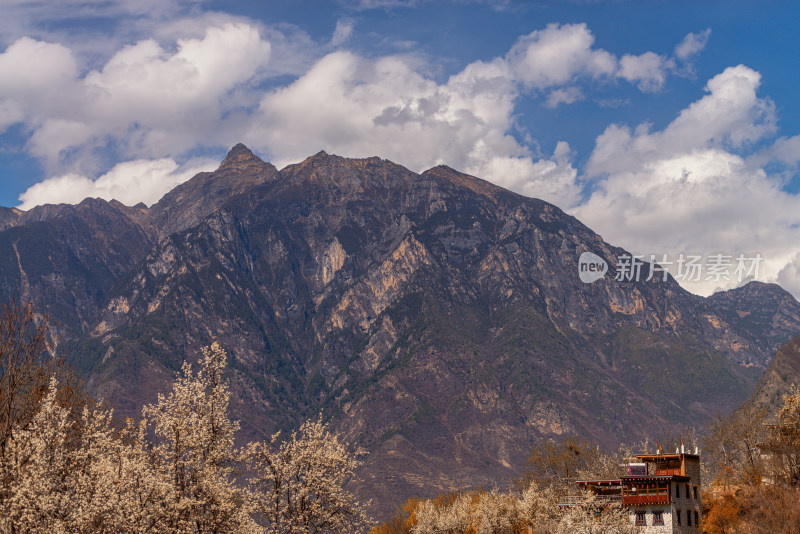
<point>641,519</point>
<point>658,517</point>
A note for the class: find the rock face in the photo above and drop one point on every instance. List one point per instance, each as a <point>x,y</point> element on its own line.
<point>765,315</point>
<point>782,373</point>
<point>437,319</point>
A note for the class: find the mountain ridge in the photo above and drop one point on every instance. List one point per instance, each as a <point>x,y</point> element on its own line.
<point>435,318</point>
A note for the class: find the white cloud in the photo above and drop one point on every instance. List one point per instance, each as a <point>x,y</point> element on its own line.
<point>148,100</point>
<point>562,54</point>
<point>692,44</point>
<point>559,54</point>
<point>648,71</point>
<point>567,95</point>
<point>33,74</point>
<point>685,190</point>
<point>129,182</point>
<point>349,105</point>
<point>789,276</point>
<point>785,150</point>
<point>158,92</point>
<point>552,179</point>
<point>343,31</point>
<point>10,113</point>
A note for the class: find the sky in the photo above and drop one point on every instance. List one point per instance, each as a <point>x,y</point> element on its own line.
<point>668,127</point>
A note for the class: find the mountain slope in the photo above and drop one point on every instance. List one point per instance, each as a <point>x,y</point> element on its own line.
<point>782,373</point>
<point>439,320</point>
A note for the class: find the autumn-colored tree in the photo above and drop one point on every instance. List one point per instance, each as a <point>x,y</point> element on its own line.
<point>722,515</point>
<point>732,447</point>
<point>556,464</point>
<point>783,443</point>
<point>403,519</point>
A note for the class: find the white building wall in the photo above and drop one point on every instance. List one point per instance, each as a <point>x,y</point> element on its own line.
<point>682,504</point>
<point>652,528</point>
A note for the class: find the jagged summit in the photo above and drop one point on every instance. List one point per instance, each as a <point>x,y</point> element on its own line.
<point>190,202</point>
<point>241,159</point>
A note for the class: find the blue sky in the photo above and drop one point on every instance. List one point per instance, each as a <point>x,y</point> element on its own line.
<point>668,127</point>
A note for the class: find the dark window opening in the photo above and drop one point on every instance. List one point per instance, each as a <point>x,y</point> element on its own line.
<point>658,518</point>
<point>640,519</point>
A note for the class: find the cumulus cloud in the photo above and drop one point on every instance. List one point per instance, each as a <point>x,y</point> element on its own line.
<point>552,178</point>
<point>34,73</point>
<point>562,54</point>
<point>559,54</point>
<point>692,44</point>
<point>129,182</point>
<point>685,189</point>
<point>647,71</point>
<point>149,100</point>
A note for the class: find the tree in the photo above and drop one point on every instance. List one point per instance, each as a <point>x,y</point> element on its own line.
<point>37,459</point>
<point>25,366</point>
<point>195,451</point>
<point>557,464</point>
<point>733,447</point>
<point>175,471</point>
<point>298,484</point>
<point>722,515</point>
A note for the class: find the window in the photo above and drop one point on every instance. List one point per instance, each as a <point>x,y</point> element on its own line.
<point>658,517</point>
<point>696,518</point>
<point>687,491</point>
<point>640,519</point>
<point>677,491</point>
<point>678,515</point>
<point>689,517</point>
<point>695,492</point>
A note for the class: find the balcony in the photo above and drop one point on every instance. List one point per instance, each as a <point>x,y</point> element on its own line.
<point>589,500</point>
<point>658,498</point>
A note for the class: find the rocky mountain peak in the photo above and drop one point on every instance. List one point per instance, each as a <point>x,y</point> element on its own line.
<point>241,159</point>
<point>190,202</point>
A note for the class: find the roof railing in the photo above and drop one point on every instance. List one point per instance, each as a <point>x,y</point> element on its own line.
<point>582,500</point>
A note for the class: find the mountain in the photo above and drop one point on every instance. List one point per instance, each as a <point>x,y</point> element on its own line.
<point>438,320</point>
<point>765,315</point>
<point>781,374</point>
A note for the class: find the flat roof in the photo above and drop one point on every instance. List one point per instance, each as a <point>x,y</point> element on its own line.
<point>667,457</point>
<point>680,478</point>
